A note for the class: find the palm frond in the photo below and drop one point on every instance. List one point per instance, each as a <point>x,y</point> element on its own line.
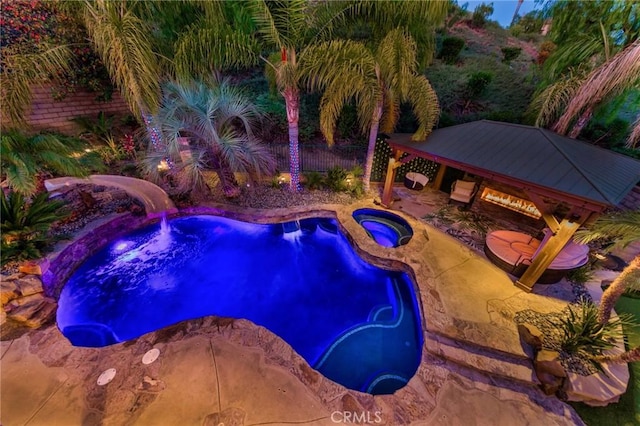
<point>609,79</point>
<point>548,105</point>
<point>21,71</point>
<point>634,137</point>
<point>622,227</point>
<point>218,120</point>
<point>123,42</point>
<point>203,50</point>
<point>580,50</point>
<point>425,106</point>
<point>24,157</point>
<point>397,57</point>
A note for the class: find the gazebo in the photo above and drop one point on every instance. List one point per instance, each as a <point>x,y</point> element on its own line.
<point>549,168</point>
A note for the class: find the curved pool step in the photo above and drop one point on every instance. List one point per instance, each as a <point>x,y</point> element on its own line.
<point>386,383</point>
<point>92,335</point>
<point>365,342</point>
<point>403,234</point>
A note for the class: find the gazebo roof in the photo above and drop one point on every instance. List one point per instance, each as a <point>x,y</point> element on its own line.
<point>530,155</point>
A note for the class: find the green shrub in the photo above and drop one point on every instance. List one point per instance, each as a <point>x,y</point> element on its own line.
<point>25,225</point>
<point>313,180</point>
<point>478,83</point>
<point>510,53</point>
<point>580,275</point>
<point>451,48</point>
<point>336,177</point>
<point>100,128</point>
<point>584,336</point>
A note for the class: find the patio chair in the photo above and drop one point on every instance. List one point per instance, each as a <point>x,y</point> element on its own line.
<point>463,191</point>
<point>513,252</point>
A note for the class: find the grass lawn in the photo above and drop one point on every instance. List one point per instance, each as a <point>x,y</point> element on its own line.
<point>627,411</point>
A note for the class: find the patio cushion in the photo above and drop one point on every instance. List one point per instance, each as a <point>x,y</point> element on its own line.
<point>518,248</point>
<point>512,247</point>
<point>571,256</point>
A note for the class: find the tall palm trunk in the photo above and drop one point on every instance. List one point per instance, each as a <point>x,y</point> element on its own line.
<point>228,180</point>
<point>611,295</point>
<point>292,101</point>
<point>580,123</point>
<point>515,14</point>
<point>373,136</point>
<point>631,355</point>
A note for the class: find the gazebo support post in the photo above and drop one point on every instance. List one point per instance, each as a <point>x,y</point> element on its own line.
<point>548,253</point>
<point>437,183</point>
<point>390,177</point>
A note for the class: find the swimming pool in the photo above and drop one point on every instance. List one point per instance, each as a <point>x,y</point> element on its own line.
<point>354,322</point>
<point>387,229</point>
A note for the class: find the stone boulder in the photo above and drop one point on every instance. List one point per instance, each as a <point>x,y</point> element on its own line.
<point>35,313</point>
<point>28,285</point>
<point>531,335</point>
<point>8,291</point>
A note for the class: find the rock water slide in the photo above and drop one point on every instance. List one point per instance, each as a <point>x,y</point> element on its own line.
<point>155,199</point>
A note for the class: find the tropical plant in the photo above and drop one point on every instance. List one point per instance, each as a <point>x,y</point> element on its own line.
<point>286,27</point>
<point>582,334</point>
<point>420,19</point>
<point>25,225</point>
<point>603,51</point>
<point>218,120</point>
<point>378,81</point>
<point>20,70</point>
<point>451,47</point>
<point>623,228</point>
<point>101,127</point>
<point>26,158</point>
<point>612,78</point>
<point>336,177</point>
<point>589,31</point>
<point>124,43</point>
<point>313,180</point>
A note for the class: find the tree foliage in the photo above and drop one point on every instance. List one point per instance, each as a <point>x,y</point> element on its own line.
<point>218,121</point>
<point>25,158</point>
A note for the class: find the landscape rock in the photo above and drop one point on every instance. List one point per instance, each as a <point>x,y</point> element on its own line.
<point>30,268</point>
<point>20,301</point>
<point>549,362</point>
<point>35,313</point>
<point>549,383</point>
<point>531,335</point>
<point>28,285</point>
<point>8,291</point>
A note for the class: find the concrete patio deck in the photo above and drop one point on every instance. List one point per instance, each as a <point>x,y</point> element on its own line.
<point>217,372</point>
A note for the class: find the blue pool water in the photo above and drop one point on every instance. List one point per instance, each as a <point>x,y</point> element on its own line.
<point>387,229</point>
<point>355,323</point>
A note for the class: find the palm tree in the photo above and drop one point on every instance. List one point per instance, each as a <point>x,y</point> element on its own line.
<point>26,158</point>
<point>22,70</point>
<point>623,228</point>
<point>218,120</point>
<point>123,42</point>
<point>584,67</point>
<point>283,26</point>
<point>378,81</point>
<point>612,78</point>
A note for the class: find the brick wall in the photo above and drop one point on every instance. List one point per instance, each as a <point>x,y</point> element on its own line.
<point>632,200</point>
<point>47,113</point>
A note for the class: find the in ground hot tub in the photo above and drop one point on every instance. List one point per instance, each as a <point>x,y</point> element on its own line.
<point>387,229</point>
